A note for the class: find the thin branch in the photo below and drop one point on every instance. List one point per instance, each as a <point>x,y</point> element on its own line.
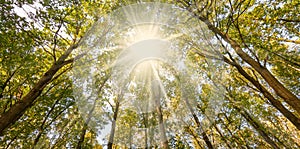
<point>3,86</point>
<point>243,41</point>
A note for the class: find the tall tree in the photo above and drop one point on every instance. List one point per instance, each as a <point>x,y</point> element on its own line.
<point>258,48</point>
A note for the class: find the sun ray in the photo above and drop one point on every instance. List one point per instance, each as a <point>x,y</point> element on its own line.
<point>144,52</point>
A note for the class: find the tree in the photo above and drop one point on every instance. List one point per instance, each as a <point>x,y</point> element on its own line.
<point>253,47</point>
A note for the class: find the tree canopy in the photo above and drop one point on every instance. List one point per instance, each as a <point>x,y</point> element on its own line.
<point>62,87</point>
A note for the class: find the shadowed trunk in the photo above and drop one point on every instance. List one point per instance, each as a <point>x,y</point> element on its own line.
<point>113,127</point>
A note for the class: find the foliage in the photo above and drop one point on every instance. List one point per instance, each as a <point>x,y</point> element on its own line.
<point>34,35</point>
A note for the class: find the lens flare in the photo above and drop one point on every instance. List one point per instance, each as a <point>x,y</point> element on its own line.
<point>139,82</point>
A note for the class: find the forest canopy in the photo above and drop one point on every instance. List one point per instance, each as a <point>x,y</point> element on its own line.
<point>150,74</point>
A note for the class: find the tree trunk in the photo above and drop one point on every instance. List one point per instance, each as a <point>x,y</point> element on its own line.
<point>82,135</point>
<point>257,127</point>
<point>17,110</point>
<point>162,128</point>
<point>279,89</point>
<point>277,104</point>
<point>191,132</point>
<point>42,127</point>
<point>204,135</point>
<point>113,127</point>
<point>85,127</point>
<point>156,91</point>
<point>239,137</point>
<point>218,130</point>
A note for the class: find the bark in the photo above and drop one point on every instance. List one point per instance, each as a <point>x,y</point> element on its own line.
<point>17,110</point>
<point>145,120</point>
<point>278,87</point>
<point>44,125</point>
<point>196,119</point>
<point>85,127</point>
<point>277,104</point>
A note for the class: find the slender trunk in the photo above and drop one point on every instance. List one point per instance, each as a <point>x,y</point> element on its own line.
<point>277,104</point>
<point>17,110</point>
<point>257,127</point>
<point>90,114</point>
<point>278,87</point>
<point>113,127</point>
<point>161,125</point>
<point>41,129</point>
<point>130,138</point>
<point>151,132</point>
<point>219,132</point>
<point>204,135</point>
<point>240,138</point>
<point>222,136</point>
<point>156,93</point>
<point>145,117</point>
<point>85,127</point>
<point>198,124</point>
<point>43,126</point>
<point>145,121</point>
<point>65,130</point>
<point>81,139</point>
<point>191,132</point>
<point>11,141</point>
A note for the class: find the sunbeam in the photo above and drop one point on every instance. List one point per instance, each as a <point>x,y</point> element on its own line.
<point>151,74</point>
